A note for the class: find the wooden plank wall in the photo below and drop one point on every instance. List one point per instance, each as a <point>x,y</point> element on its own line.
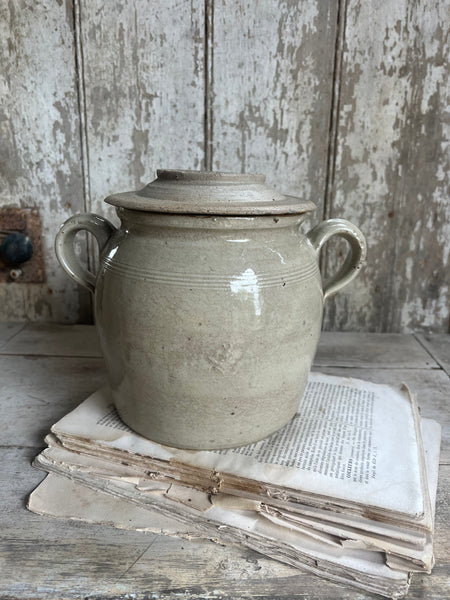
<point>144,91</point>
<point>272,88</point>
<point>40,153</point>
<point>391,164</point>
<point>342,102</point>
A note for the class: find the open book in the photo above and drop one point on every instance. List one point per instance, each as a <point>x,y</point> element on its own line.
<point>344,486</point>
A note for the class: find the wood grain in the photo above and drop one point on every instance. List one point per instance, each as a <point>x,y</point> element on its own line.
<point>40,159</point>
<point>48,559</point>
<point>144,91</point>
<point>51,339</point>
<point>272,86</point>
<point>8,331</point>
<point>377,350</point>
<point>391,160</point>
<point>35,392</point>
<point>340,103</point>
<point>438,346</point>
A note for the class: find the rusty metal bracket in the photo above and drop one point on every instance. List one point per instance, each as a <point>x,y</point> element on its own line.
<point>27,221</point>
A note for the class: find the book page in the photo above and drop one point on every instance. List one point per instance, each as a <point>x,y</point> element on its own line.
<point>363,568</point>
<point>415,558</point>
<point>339,445</point>
<point>62,497</point>
<point>350,439</point>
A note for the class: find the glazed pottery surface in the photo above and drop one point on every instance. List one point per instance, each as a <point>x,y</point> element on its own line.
<point>208,304</point>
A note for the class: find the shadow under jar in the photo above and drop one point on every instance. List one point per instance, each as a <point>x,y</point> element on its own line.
<point>208,303</point>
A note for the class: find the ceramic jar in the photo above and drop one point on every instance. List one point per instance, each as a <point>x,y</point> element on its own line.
<point>208,304</point>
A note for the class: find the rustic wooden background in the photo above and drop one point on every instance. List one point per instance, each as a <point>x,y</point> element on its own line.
<point>342,102</point>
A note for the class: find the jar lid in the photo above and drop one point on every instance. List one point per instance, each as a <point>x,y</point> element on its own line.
<point>209,192</point>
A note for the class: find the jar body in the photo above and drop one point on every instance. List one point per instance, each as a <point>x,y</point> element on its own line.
<point>208,325</point>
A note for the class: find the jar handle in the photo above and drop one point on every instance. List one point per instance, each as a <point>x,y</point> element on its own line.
<point>356,256</point>
<point>100,228</point>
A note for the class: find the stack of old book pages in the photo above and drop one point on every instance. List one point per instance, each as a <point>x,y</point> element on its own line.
<point>346,490</point>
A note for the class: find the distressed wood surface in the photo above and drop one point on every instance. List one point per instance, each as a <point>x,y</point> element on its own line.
<point>37,391</point>
<point>438,346</point>
<point>390,174</point>
<point>271,92</point>
<point>40,154</point>
<point>8,331</point>
<point>338,349</point>
<point>377,350</point>
<point>51,339</point>
<point>341,103</point>
<point>48,559</point>
<point>144,91</point>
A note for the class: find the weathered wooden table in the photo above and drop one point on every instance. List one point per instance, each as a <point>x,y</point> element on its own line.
<point>47,370</point>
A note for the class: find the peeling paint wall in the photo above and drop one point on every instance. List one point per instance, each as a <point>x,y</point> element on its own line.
<point>144,91</point>
<point>40,160</point>
<point>272,89</point>
<point>340,102</point>
<point>392,164</point>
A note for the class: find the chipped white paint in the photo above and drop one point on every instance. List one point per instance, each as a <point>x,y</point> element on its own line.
<point>272,90</point>
<point>391,156</point>
<point>40,151</point>
<point>243,86</point>
<point>144,89</point>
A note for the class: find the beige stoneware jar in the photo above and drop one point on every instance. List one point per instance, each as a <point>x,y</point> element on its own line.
<point>208,303</point>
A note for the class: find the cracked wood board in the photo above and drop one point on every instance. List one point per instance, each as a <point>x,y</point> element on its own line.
<point>391,156</point>
<point>41,154</point>
<point>8,331</point>
<point>51,339</point>
<point>271,92</point>
<point>438,345</point>
<point>36,392</point>
<point>144,92</point>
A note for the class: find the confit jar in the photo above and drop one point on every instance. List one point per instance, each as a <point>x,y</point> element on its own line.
<point>208,304</point>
